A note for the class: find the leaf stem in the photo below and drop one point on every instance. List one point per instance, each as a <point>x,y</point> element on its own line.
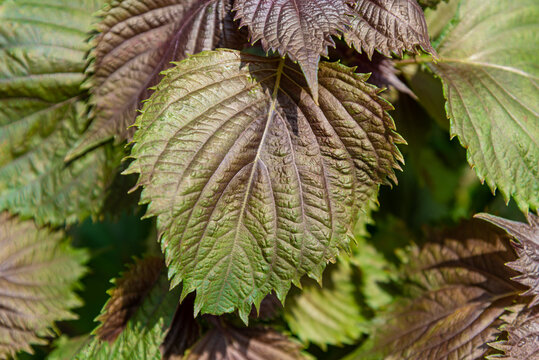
<point>415,60</point>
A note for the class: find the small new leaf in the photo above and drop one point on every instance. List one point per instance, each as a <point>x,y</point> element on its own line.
<point>302,29</point>
<point>388,26</point>
<point>226,342</point>
<point>253,183</point>
<point>461,287</point>
<point>490,74</point>
<point>527,248</point>
<point>137,40</point>
<point>38,272</point>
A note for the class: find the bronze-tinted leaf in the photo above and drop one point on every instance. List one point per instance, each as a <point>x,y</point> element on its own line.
<point>184,330</point>
<point>522,327</point>
<point>137,40</point>
<point>301,29</point>
<point>127,295</point>
<point>527,248</point>
<point>461,288</point>
<point>38,272</point>
<point>229,343</point>
<point>253,184</point>
<point>388,26</point>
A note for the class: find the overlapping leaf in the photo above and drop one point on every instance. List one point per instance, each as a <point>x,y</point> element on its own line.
<point>145,330</point>
<point>254,184</point>
<point>527,248</point>
<point>42,52</point>
<point>388,26</point>
<point>300,28</point>
<point>226,342</point>
<point>137,40</point>
<point>464,288</point>
<point>38,273</point>
<point>488,64</point>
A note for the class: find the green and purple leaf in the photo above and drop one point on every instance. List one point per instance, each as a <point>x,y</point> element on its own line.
<point>488,66</point>
<point>42,49</point>
<point>137,39</point>
<point>226,343</point>
<point>39,272</point>
<point>461,287</point>
<point>253,183</point>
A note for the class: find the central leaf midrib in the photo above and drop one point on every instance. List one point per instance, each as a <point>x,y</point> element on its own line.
<point>256,159</point>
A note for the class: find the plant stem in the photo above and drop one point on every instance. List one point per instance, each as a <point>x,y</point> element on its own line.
<point>415,60</point>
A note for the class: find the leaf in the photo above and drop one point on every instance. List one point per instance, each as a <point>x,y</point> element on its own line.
<point>184,331</point>
<point>253,184</point>
<point>66,348</point>
<point>223,343</point>
<point>144,332</point>
<point>462,287</point>
<point>388,26</point>
<point>127,296</point>
<point>137,40</point>
<point>488,65</point>
<point>527,249</point>
<point>38,272</point>
<point>330,313</point>
<point>523,336</point>
<point>41,68</point>
<point>301,29</point>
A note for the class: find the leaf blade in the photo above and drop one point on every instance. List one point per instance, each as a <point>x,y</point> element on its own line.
<point>269,182</point>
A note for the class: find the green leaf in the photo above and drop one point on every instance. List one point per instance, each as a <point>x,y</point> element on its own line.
<point>430,3</point>
<point>461,287</point>
<point>38,272</point>
<point>527,248</point>
<point>255,185</point>
<point>137,40</point>
<point>66,348</point>
<point>42,52</point>
<point>227,342</point>
<point>145,330</point>
<point>330,313</point>
<point>488,65</point>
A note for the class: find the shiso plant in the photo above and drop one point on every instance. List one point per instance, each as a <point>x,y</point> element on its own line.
<point>253,138</point>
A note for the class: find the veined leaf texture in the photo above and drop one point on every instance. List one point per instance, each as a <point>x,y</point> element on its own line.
<point>268,182</point>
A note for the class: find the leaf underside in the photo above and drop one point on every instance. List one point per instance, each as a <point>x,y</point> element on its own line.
<point>301,29</point>
<point>137,40</point>
<point>388,26</point>
<point>254,184</point>
<point>226,342</point>
<point>41,68</point>
<point>488,65</point>
<point>463,288</point>
<point>38,273</point>
<point>527,249</point>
